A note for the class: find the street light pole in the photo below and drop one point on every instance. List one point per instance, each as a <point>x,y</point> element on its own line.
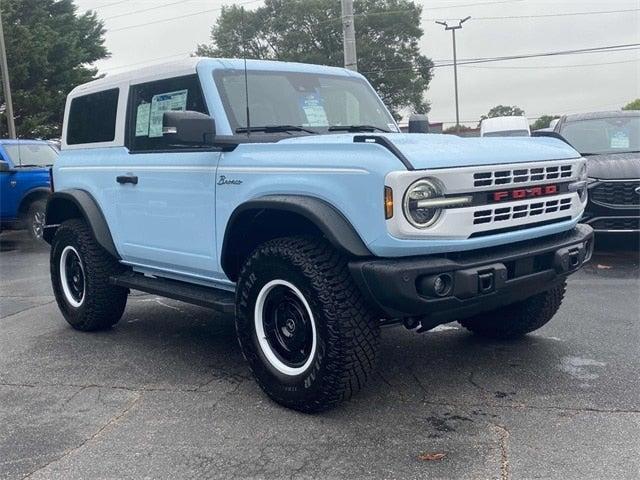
<point>349,36</point>
<point>453,29</point>
<point>6,87</point>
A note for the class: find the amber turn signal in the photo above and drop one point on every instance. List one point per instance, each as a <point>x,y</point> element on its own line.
<point>388,202</point>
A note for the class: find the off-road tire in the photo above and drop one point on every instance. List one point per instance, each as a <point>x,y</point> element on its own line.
<point>347,331</point>
<point>34,219</point>
<point>103,303</point>
<point>518,319</point>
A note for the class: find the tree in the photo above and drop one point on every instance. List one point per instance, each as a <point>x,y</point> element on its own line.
<point>49,49</point>
<point>310,31</point>
<point>463,129</point>
<point>543,122</point>
<point>503,111</point>
<point>634,105</point>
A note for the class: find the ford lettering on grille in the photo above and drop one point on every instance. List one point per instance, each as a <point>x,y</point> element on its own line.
<point>523,193</point>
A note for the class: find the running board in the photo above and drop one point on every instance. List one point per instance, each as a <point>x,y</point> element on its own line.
<point>215,298</point>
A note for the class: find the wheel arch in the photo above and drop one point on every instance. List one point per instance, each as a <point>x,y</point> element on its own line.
<point>273,216</point>
<point>69,204</point>
<point>40,193</point>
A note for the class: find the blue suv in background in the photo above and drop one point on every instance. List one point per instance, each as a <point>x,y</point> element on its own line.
<point>25,184</point>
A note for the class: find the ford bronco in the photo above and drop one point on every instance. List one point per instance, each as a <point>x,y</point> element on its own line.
<point>284,194</point>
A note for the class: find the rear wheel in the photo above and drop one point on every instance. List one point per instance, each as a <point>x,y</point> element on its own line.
<point>80,272</point>
<point>309,338</point>
<point>35,219</point>
<point>519,318</point>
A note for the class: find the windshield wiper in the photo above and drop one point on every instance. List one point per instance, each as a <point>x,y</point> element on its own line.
<point>274,129</point>
<point>357,128</point>
<point>588,154</point>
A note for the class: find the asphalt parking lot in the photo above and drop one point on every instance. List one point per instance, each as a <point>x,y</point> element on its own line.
<point>166,393</point>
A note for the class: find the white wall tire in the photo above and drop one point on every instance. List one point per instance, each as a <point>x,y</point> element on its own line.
<point>89,301</point>
<point>342,331</point>
<point>266,343</point>
<point>72,276</point>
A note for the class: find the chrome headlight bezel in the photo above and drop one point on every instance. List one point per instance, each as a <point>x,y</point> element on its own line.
<point>436,189</point>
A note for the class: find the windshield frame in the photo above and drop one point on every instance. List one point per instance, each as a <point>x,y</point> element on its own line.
<point>234,124</point>
<point>632,149</point>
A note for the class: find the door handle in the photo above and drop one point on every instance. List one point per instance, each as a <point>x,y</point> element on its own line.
<point>122,179</point>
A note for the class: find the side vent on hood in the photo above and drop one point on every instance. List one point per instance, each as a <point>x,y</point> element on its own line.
<point>386,143</point>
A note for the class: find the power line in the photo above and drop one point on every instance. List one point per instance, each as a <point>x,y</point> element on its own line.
<point>553,66</point>
<point>120,67</point>
<point>109,5</point>
<point>547,15</point>
<point>146,9</point>
<point>178,17</point>
<point>607,49</point>
<point>468,63</point>
<point>472,4</point>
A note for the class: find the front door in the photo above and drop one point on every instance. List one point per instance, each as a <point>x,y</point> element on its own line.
<point>166,194</point>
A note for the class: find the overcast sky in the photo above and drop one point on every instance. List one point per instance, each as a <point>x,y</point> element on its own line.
<point>548,85</point>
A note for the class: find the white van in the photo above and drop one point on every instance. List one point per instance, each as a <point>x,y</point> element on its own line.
<point>516,126</point>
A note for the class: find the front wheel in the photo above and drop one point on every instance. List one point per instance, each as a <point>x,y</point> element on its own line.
<point>80,273</point>
<point>302,324</point>
<point>35,219</point>
<point>519,318</point>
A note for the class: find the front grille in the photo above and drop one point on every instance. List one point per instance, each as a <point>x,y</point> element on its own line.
<point>521,175</point>
<point>616,193</point>
<point>532,209</point>
<point>614,223</point>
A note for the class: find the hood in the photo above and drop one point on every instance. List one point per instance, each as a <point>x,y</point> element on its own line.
<point>614,166</point>
<point>442,151</point>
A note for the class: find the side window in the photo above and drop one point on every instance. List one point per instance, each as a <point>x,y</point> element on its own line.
<point>92,118</point>
<point>149,101</point>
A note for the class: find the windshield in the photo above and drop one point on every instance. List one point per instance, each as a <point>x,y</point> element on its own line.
<point>604,135</point>
<point>314,102</point>
<point>31,154</point>
<point>507,133</point>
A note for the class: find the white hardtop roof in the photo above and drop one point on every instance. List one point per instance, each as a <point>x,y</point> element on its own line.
<point>188,66</point>
<point>501,122</point>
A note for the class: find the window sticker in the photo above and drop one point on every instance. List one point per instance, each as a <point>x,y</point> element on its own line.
<point>164,102</point>
<point>313,107</point>
<point>619,139</point>
<point>142,120</point>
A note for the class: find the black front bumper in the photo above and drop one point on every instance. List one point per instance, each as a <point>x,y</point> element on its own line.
<point>479,280</point>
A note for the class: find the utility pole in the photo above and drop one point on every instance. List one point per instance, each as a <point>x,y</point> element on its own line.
<point>349,36</point>
<point>453,29</point>
<point>6,87</point>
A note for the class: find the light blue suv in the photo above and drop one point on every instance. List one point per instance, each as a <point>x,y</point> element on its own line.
<point>284,194</point>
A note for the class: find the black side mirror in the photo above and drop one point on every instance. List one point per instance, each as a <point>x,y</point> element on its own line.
<point>188,127</point>
<point>5,167</point>
<point>418,123</point>
<point>552,134</point>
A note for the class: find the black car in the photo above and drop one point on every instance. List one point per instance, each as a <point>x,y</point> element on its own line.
<point>610,141</point>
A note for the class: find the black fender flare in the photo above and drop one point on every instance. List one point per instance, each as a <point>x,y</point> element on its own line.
<point>73,204</point>
<point>329,220</point>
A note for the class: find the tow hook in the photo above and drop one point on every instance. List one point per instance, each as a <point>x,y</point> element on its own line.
<point>570,258</point>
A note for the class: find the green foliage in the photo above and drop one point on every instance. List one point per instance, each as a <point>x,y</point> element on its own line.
<point>634,105</point>
<point>310,31</point>
<point>543,122</point>
<point>462,129</point>
<point>49,50</point>
<point>503,111</point>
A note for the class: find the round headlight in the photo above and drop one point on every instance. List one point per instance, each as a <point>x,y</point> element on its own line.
<point>417,216</point>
